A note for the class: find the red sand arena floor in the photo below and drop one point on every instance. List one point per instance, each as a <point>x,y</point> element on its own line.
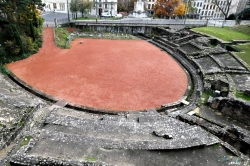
<point>106,74</point>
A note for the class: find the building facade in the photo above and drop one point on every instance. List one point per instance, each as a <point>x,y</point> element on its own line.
<point>149,6</point>
<point>100,6</point>
<point>207,10</point>
<point>242,5</point>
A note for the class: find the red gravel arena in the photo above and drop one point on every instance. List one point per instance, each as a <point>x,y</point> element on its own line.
<point>104,74</point>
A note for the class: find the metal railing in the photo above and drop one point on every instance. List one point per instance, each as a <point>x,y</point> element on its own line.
<point>147,22</point>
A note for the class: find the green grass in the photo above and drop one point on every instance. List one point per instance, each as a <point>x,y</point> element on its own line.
<point>85,18</point>
<point>25,141</point>
<point>91,159</point>
<point>242,96</point>
<point>205,95</point>
<point>227,33</point>
<point>190,92</point>
<point>245,54</point>
<point>61,36</point>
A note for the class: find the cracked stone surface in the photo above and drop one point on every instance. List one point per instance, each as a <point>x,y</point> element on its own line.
<point>15,106</point>
<point>229,62</point>
<point>207,65</point>
<point>242,81</point>
<point>69,137</point>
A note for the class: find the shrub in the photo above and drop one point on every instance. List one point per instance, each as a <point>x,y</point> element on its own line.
<point>70,29</point>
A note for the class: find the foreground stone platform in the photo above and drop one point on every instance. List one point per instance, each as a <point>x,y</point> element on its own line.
<point>70,135</point>
<point>52,135</point>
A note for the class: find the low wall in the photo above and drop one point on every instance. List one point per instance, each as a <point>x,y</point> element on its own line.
<point>237,109</point>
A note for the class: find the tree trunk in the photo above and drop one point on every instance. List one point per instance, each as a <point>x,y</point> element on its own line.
<point>17,37</point>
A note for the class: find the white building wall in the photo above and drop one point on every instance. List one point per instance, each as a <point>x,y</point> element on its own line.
<point>99,6</point>
<point>207,10</point>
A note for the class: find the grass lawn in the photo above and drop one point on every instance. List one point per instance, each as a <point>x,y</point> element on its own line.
<point>240,32</point>
<point>245,56</point>
<point>85,18</point>
<point>62,33</point>
<point>61,36</point>
<point>227,33</point>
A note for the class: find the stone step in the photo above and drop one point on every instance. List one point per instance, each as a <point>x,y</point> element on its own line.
<point>4,152</point>
<point>144,125</point>
<point>194,137</point>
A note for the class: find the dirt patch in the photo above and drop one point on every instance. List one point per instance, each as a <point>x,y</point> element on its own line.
<point>105,74</point>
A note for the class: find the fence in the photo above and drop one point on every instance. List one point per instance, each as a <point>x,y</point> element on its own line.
<point>53,23</point>
<point>147,22</point>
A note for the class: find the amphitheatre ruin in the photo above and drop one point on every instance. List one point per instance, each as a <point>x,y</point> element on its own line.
<point>107,101</point>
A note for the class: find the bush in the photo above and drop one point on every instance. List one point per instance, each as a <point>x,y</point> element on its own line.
<point>70,29</point>
<point>231,17</point>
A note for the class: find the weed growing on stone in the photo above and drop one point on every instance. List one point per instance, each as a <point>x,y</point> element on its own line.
<point>91,159</point>
<point>242,96</point>
<point>245,54</point>
<point>25,141</point>
<point>205,96</point>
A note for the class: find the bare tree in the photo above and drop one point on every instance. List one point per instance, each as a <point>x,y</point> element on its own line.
<point>223,6</point>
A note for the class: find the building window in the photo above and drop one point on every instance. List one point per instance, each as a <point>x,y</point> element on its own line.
<point>202,13</point>
<point>54,5</point>
<point>152,6</point>
<point>201,4</point>
<point>209,13</point>
<point>199,11</point>
<point>105,6</point>
<point>204,6</point>
<point>198,4</point>
<point>205,13</point>
<point>62,6</point>
<point>148,6</point>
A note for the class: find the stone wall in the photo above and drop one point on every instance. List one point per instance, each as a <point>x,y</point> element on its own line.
<point>237,109</point>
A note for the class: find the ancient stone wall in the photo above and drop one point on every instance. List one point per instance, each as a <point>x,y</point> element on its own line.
<point>237,109</point>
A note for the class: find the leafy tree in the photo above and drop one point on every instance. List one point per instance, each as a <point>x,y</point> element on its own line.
<point>85,6</point>
<point>74,7</point>
<point>180,10</point>
<point>19,21</point>
<point>131,5</point>
<point>120,7</point>
<point>189,6</point>
<point>165,7</point>
<point>243,15</point>
<point>231,17</point>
